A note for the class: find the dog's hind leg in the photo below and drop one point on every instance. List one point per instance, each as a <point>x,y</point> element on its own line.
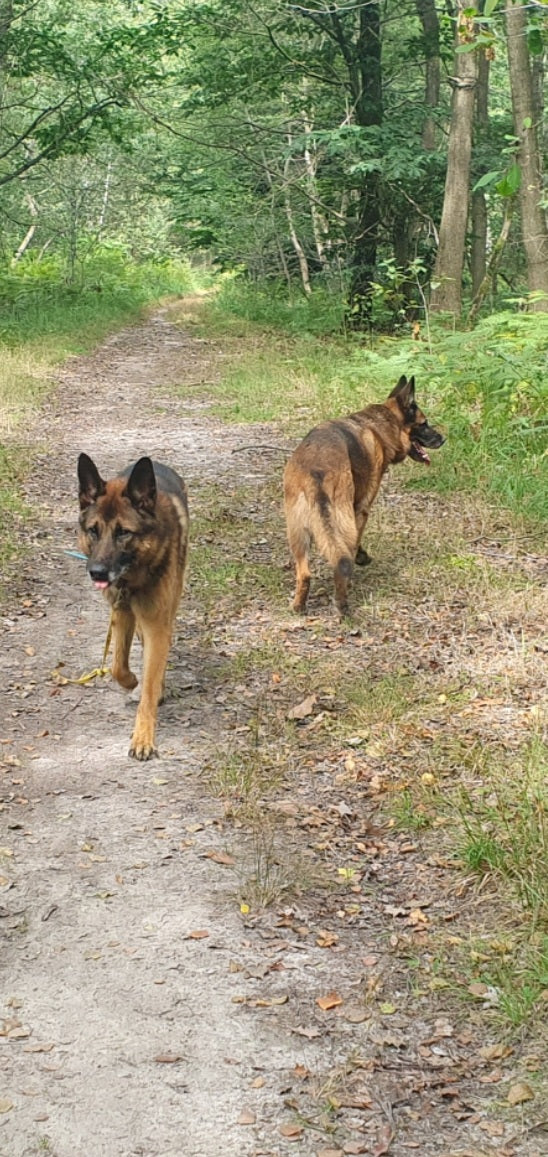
<point>342,575</point>
<point>299,543</point>
<point>362,557</point>
<point>123,628</point>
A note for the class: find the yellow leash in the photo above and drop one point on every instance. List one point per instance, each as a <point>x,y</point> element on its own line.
<point>98,673</point>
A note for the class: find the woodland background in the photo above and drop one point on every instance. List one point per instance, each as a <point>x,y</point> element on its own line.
<point>359,188</point>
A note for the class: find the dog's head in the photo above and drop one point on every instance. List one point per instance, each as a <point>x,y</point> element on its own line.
<point>422,437</point>
<point>115,516</point>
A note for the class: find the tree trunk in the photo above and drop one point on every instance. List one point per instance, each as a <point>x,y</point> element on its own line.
<point>301,255</point>
<point>447,294</point>
<point>478,245</point>
<point>319,228</point>
<point>33,210</point>
<point>494,261</point>
<point>368,112</point>
<point>533,220</point>
<point>426,10</point>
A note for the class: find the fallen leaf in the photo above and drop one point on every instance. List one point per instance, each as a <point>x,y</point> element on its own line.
<point>247,1117</point>
<point>199,934</point>
<point>495,1052</point>
<point>291,1132</point>
<point>5,1104</point>
<point>330,1000</point>
<point>309,1033</point>
<point>477,988</point>
<point>303,709</point>
<point>20,1033</point>
<point>520,1092</point>
<point>38,1048</point>
<point>220,858</point>
<point>258,1083</point>
<point>167,1058</point>
<point>267,1002</point>
<point>326,939</point>
<point>384,1142</point>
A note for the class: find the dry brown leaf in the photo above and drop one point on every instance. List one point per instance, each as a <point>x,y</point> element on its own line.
<point>38,1048</point>
<point>329,1153</point>
<point>5,1104</point>
<point>477,988</point>
<point>267,1002</point>
<point>330,1000</point>
<point>290,1132</point>
<point>520,1092</point>
<point>167,1058</point>
<point>309,1033</point>
<point>20,1033</point>
<point>247,1117</point>
<point>303,709</point>
<point>326,939</point>
<point>384,1142</point>
<point>220,858</point>
<point>495,1052</point>
<point>258,1083</point>
<point>199,934</point>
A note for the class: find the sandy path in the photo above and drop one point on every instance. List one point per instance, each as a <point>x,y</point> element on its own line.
<point>107,880</point>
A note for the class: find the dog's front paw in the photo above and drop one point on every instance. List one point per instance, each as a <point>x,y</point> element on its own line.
<point>362,557</point>
<point>141,749</point>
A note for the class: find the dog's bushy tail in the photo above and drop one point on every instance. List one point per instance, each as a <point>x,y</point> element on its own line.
<point>333,528</point>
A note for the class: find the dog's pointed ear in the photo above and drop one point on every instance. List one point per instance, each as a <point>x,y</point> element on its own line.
<point>90,481</point>
<point>141,486</point>
<point>404,392</point>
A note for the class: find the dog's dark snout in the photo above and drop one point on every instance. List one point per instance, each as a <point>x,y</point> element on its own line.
<point>98,572</point>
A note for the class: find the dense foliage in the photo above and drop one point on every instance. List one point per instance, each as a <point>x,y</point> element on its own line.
<point>308,144</point>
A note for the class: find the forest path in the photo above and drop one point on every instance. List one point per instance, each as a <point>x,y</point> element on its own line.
<point>144,1014</point>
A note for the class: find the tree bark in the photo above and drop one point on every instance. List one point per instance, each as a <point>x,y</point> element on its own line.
<point>533,220</point>
<point>479,220</point>
<point>368,112</point>
<point>447,294</point>
<point>301,255</point>
<point>494,261</point>
<point>426,10</point>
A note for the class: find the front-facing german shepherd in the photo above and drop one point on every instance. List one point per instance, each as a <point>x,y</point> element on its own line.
<point>332,479</point>
<point>134,531</point>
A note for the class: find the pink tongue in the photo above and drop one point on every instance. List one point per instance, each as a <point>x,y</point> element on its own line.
<point>100,586</point>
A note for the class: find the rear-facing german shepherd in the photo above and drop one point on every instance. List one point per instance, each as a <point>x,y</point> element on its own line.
<point>134,531</point>
<point>332,479</point>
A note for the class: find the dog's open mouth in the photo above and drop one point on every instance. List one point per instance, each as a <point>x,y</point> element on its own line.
<point>419,453</point>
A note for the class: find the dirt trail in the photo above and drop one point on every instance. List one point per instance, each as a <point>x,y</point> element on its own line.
<point>126,1034</point>
<point>98,966</point>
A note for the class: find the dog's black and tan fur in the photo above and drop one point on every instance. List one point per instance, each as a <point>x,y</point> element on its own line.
<point>333,477</point>
<point>134,531</point>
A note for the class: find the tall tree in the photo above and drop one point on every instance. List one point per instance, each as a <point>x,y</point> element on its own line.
<point>447,291</point>
<point>533,219</point>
